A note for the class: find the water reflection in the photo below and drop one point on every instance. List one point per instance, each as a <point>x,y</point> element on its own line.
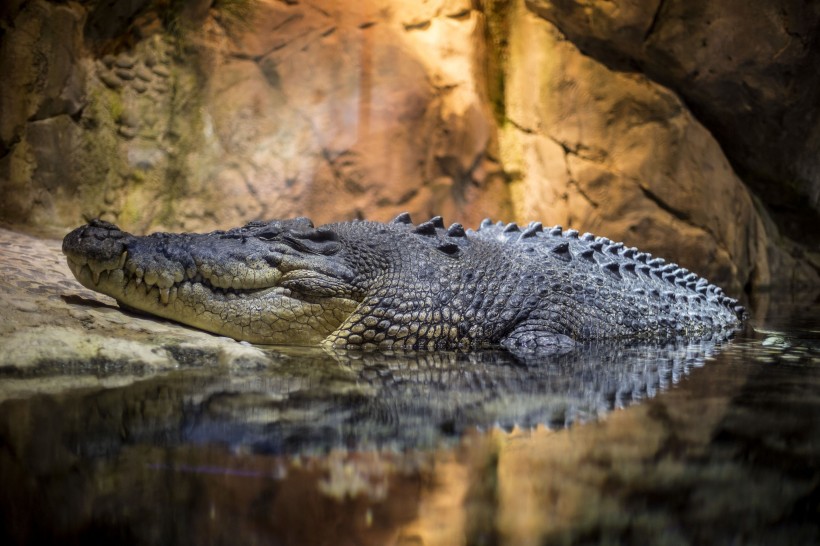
<point>304,401</point>
<point>432,448</point>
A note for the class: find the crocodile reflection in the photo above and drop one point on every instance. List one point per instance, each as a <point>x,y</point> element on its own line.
<point>311,401</point>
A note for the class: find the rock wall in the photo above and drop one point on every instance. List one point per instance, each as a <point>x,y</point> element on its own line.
<point>746,68</point>
<point>204,116</point>
<point>159,114</point>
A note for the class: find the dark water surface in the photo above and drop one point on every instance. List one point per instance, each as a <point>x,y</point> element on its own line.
<point>687,443</point>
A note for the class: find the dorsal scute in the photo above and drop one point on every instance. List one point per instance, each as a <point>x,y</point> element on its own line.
<point>456,230</point>
<point>556,245</point>
<point>426,228</point>
<point>432,233</point>
<point>403,218</point>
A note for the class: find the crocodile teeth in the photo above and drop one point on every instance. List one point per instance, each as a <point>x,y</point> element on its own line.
<point>164,295</point>
<point>116,276</point>
<point>151,278</point>
<point>165,279</point>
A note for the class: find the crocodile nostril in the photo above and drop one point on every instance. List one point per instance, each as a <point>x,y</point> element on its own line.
<point>102,224</point>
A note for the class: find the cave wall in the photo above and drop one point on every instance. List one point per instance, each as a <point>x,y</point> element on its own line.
<point>606,117</point>
<point>195,117</point>
<point>746,68</point>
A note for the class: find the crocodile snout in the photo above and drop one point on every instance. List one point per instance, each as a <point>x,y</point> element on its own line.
<point>100,245</point>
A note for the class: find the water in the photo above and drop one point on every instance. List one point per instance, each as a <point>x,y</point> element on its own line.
<point>702,443</point>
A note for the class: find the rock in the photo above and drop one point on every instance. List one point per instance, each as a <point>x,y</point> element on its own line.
<point>52,143</point>
<point>127,132</point>
<point>150,58</point>
<point>139,86</point>
<point>332,134</point>
<point>125,61</point>
<point>108,21</point>
<point>129,118</point>
<point>143,73</point>
<point>42,72</point>
<point>124,74</point>
<point>748,70</point>
<point>161,71</point>
<point>110,79</point>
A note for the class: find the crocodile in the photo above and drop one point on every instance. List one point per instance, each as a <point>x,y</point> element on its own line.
<point>361,284</point>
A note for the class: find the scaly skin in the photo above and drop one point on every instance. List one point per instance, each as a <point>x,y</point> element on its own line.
<point>397,285</point>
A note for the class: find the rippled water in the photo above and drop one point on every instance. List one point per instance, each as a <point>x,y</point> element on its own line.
<point>708,442</point>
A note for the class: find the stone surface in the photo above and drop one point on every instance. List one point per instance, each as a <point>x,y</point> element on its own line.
<point>747,69</point>
<point>158,115</point>
<point>385,118</point>
<point>44,59</point>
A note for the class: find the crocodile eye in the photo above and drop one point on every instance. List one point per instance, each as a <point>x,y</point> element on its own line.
<point>316,241</point>
<point>268,234</point>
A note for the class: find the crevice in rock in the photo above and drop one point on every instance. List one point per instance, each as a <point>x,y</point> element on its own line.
<point>571,181</point>
<point>656,17</point>
<point>316,8</point>
<point>336,162</point>
<point>7,148</point>
<point>460,15</point>
<point>259,57</point>
<point>421,25</point>
<point>663,205</point>
<point>497,14</point>
<point>260,202</point>
<point>683,217</point>
<point>527,130</point>
<point>403,199</point>
<point>78,115</point>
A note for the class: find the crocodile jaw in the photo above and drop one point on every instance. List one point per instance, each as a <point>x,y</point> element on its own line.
<point>271,315</point>
<point>242,287</point>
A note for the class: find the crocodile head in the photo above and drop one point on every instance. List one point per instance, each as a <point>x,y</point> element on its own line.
<point>267,282</point>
